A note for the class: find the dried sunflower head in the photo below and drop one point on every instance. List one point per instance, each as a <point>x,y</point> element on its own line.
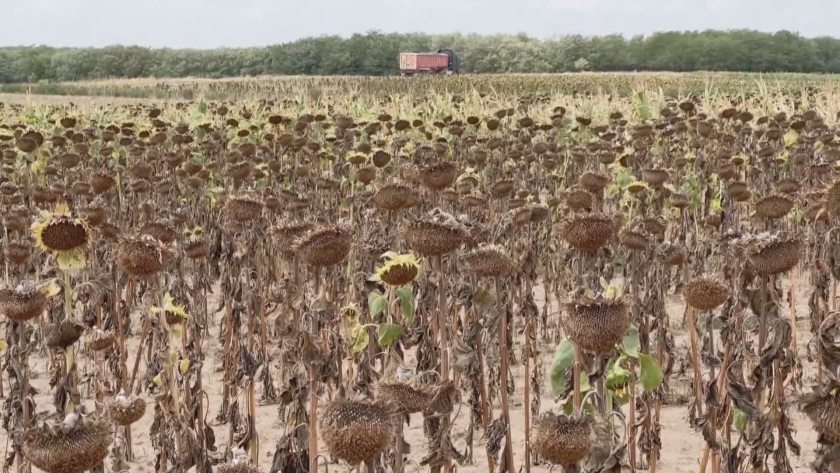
<point>26,301</point>
<point>287,232</point>
<point>589,233</point>
<point>597,324</point>
<point>142,257</point>
<point>489,261</point>
<point>769,253</point>
<point>243,208</point>
<point>410,397</point>
<point>705,293</point>
<point>358,430</point>
<point>438,235</point>
<point>125,409</point>
<point>196,245</point>
<point>395,196</point>
<point>564,439</point>
<point>59,232</point>
<point>77,444</point>
<point>325,246</point>
<point>100,340</point>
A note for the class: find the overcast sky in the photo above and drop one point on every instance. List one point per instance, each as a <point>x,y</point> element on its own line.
<point>216,23</point>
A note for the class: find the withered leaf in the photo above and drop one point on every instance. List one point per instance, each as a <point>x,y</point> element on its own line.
<point>743,398</point>
<point>310,348</point>
<point>462,356</point>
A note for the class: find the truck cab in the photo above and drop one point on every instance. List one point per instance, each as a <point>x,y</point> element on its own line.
<point>454,62</point>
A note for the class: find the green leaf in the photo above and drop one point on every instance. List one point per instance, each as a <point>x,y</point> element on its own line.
<point>376,303</point>
<point>617,377</point>
<point>651,372</point>
<point>630,345</point>
<point>3,345</point>
<point>568,407</point>
<point>388,334</point>
<point>184,366</point>
<point>360,338</point>
<point>588,406</point>
<point>71,261</point>
<point>173,357</point>
<point>584,383</point>
<point>406,302</point>
<point>739,420</point>
<point>564,356</point>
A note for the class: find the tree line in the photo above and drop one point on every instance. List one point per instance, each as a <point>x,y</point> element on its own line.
<point>375,54</point>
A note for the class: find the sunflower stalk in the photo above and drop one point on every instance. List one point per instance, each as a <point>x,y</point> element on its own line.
<point>127,384</point>
<point>662,325</point>
<point>140,346</point>
<point>486,405</point>
<point>201,333</point>
<point>527,390</point>
<point>169,370</point>
<point>833,305</point>
<point>712,410</point>
<point>254,319</point>
<point>443,332</point>
<point>762,333</point>
<point>70,352</point>
<point>398,438</point>
<point>18,357</point>
<point>313,386</point>
<point>228,391</point>
<point>503,375</point>
<point>695,359</point>
<point>631,418</point>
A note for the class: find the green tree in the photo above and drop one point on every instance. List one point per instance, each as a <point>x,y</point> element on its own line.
<point>375,53</point>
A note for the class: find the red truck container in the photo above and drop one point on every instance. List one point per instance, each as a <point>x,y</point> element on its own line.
<point>423,63</point>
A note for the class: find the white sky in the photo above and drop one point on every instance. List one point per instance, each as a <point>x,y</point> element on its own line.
<point>218,23</point>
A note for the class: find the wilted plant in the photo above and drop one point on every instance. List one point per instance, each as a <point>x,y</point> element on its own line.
<point>484,223</point>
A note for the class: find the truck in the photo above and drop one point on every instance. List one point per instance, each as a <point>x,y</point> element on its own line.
<point>445,61</point>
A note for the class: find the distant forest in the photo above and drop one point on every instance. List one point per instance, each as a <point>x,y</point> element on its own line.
<point>375,54</point>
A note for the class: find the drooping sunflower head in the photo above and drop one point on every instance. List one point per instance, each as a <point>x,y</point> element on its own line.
<point>142,257</point>
<point>59,232</point>
<point>196,245</point>
<point>26,300</point>
<point>173,313</point>
<point>398,270</point>
<point>194,233</point>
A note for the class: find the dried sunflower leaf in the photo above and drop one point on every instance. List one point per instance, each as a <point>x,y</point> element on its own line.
<point>360,338</point>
